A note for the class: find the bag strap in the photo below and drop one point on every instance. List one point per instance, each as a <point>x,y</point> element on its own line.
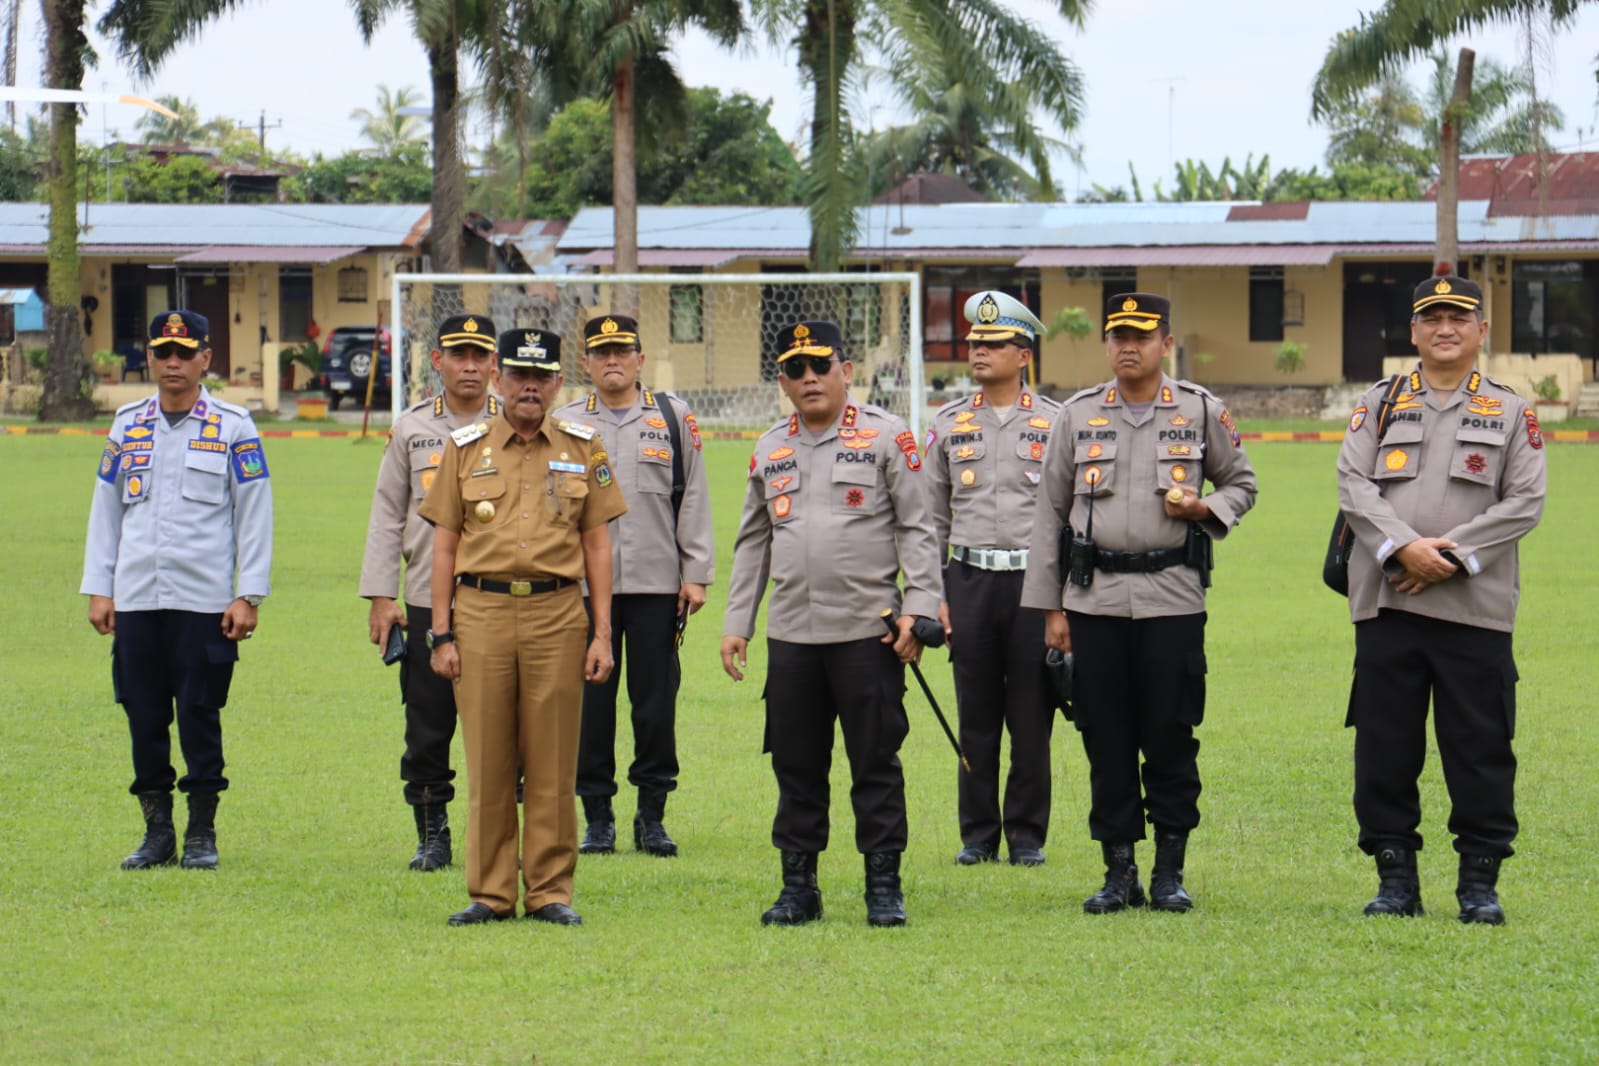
<point>1386,408</point>
<point>679,480</point>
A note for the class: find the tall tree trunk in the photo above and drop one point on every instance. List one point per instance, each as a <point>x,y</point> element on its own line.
<point>1448,225</point>
<point>624,186</point>
<point>67,394</point>
<point>449,187</point>
<point>827,49</point>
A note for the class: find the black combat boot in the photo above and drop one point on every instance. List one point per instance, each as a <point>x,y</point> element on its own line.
<point>1479,903</point>
<point>600,836</point>
<point>885,902</point>
<point>1122,889</point>
<point>432,837</point>
<point>1166,892</point>
<point>160,844</point>
<point>1400,889</point>
<point>200,835</point>
<point>649,835</point>
<point>801,899</point>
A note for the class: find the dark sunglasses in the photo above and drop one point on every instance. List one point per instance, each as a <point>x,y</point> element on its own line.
<point>167,351</point>
<point>795,366</point>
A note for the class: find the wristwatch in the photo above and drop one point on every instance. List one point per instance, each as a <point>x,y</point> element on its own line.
<point>435,639</point>
<point>253,601</point>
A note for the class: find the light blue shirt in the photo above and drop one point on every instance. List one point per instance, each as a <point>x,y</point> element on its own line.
<point>178,510</point>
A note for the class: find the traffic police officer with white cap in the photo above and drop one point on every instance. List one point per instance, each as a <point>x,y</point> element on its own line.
<point>1438,498</point>
<point>661,561</point>
<point>177,561</point>
<point>984,457</point>
<point>464,360</point>
<point>520,508</point>
<point>835,513</point>
<point>1124,478</point>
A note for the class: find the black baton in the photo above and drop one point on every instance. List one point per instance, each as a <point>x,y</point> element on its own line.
<point>889,621</point>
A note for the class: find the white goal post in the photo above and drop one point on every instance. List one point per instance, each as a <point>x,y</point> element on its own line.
<point>708,338</point>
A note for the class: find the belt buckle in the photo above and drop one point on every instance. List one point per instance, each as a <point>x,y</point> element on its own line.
<point>521,588</point>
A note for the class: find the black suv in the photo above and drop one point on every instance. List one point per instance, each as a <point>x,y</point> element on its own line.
<point>347,362</point>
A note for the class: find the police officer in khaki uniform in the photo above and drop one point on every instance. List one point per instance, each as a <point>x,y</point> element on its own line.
<point>835,513</point>
<point>661,561</point>
<point>984,455</point>
<point>464,359</point>
<point>1438,502</point>
<point>521,506</point>
<point>1125,471</point>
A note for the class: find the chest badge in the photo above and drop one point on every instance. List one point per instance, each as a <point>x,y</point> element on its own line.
<point>968,477</point>
<point>1179,473</point>
<point>781,506</point>
<point>1396,459</point>
<point>484,511</point>
<point>1037,450</point>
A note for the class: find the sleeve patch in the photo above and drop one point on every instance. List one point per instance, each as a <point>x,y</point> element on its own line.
<point>108,462</point>
<point>249,461</point>
<point>907,444</point>
<point>1357,419</point>
<point>1534,434</point>
<point>693,425</point>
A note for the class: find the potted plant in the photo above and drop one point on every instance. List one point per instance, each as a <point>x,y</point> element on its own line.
<point>1547,402</point>
<point>107,364</point>
<point>1290,357</point>
<point>307,354</point>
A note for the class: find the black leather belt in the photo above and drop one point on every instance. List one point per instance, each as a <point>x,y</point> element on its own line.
<point>1138,562</point>
<point>514,588</point>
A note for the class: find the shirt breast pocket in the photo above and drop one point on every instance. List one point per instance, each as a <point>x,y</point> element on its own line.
<point>205,477</point>
<point>1096,468</point>
<point>780,493</point>
<point>1030,451</point>
<point>424,467</point>
<point>483,500</point>
<point>567,497</point>
<point>1399,454</point>
<point>855,489</point>
<point>1178,465</point>
<point>1479,456</point>
<point>654,468</point>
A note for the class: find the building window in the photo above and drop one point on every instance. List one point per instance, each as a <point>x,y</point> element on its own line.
<point>687,313</point>
<point>352,285</point>
<point>1552,307</point>
<point>1265,304</point>
<point>944,297</point>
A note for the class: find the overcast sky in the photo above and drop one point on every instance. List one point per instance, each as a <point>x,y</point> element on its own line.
<point>1166,79</point>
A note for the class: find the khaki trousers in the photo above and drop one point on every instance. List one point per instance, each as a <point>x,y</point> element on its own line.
<point>520,696</point>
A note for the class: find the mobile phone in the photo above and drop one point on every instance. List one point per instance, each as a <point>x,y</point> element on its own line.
<point>394,651</point>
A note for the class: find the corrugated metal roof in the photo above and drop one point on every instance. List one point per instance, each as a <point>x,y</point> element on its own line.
<point>679,257</point>
<point>262,253</point>
<point>17,296</point>
<point>1188,255</point>
<point>918,229</point>
<point>174,226</point>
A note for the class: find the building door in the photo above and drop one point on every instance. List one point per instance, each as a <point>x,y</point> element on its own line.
<point>207,294</point>
<point>1365,341</point>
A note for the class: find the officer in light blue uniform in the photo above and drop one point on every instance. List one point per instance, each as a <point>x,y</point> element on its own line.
<point>179,550</point>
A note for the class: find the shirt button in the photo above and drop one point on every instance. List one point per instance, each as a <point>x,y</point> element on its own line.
<point>524,514</point>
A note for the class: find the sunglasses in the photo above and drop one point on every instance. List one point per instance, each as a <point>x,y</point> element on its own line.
<point>795,366</point>
<point>167,351</point>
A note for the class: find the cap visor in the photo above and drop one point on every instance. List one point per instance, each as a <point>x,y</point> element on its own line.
<point>182,342</point>
<point>605,339</point>
<point>530,364</point>
<point>995,333</point>
<point>807,349</point>
<point>1118,321</point>
<point>1465,302</point>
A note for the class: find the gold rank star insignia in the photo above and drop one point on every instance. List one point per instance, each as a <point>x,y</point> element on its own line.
<point>484,511</point>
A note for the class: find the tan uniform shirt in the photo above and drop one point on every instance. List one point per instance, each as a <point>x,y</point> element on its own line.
<point>520,505</point>
<point>1097,453</point>
<point>1467,465</point>
<point>395,531</point>
<point>653,550</point>
<point>833,518</point>
<point>983,470</point>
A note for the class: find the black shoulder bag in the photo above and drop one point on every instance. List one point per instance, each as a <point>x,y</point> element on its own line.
<point>679,481</point>
<point>1341,545</point>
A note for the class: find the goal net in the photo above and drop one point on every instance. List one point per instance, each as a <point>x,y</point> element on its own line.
<point>710,339</point>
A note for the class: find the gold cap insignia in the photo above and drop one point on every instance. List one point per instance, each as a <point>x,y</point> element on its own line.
<point>801,331</point>
<point>988,310</point>
<point>469,326</point>
<point>1129,304</point>
<point>1442,287</point>
<point>530,340</point>
<point>608,326</point>
<point>175,319</point>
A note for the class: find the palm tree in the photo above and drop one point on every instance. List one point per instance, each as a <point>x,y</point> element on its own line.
<point>1506,115</point>
<point>389,127</point>
<point>1379,127</point>
<point>996,48</point>
<point>187,128</point>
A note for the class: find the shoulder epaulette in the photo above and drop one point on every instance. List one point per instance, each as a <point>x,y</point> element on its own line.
<point>130,405</point>
<point>467,434</point>
<point>963,403</point>
<point>1198,390</point>
<point>1500,385</point>
<point>1044,401</point>
<point>494,404</point>
<point>436,403</point>
<point>580,430</point>
<point>1092,390</point>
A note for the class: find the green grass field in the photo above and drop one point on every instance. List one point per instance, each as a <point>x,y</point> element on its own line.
<point>314,944</point>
